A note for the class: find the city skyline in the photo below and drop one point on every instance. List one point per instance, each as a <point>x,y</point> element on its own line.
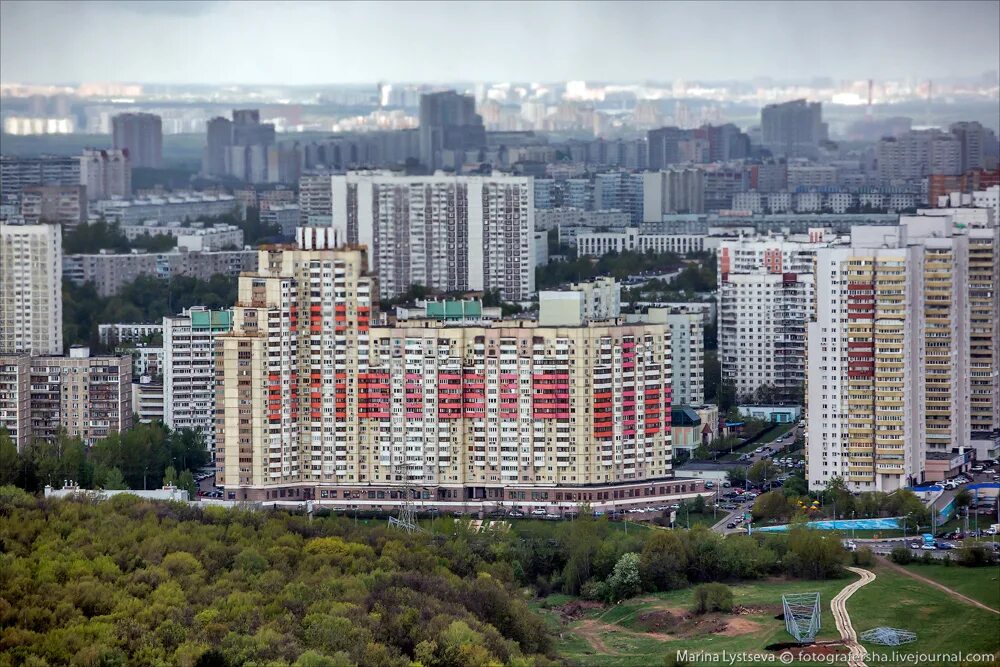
<point>541,41</point>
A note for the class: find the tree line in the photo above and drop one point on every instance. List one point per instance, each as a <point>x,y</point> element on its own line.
<point>146,299</point>
<point>144,457</point>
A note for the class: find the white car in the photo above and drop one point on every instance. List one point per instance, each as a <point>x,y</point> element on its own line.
<point>928,547</point>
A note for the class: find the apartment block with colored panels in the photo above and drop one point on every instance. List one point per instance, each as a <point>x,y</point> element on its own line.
<point>498,413</point>
<point>865,405</point>
<point>286,395</point>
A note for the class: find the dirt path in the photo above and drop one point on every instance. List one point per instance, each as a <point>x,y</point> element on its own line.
<point>930,582</point>
<point>591,631</point>
<point>838,605</point>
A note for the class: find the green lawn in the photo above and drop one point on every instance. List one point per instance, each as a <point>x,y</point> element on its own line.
<point>943,624</point>
<point>978,583</point>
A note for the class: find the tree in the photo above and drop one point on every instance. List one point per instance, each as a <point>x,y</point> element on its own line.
<point>699,505</point>
<point>726,395</point>
<point>10,462</point>
<point>712,597</point>
<point>663,561</point>
<point>772,506</point>
<point>114,480</point>
<point>169,476</point>
<point>963,498</point>
<point>625,581</point>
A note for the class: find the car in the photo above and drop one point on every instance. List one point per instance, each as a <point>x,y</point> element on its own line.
<point>989,471</point>
<point>928,547</point>
<point>945,546</point>
<point>915,545</point>
<point>726,485</point>
<point>730,525</point>
<point>850,545</point>
<point>675,506</point>
<point>516,514</point>
<point>976,468</point>
<point>990,531</point>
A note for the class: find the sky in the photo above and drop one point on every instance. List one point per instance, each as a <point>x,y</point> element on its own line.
<point>260,42</point>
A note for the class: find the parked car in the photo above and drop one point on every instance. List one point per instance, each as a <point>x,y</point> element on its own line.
<point>916,545</point>
<point>928,547</point>
<point>945,546</point>
<point>730,525</point>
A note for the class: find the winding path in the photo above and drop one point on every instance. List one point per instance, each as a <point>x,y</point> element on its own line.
<point>839,608</point>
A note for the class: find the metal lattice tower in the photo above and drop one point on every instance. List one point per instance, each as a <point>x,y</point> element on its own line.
<point>406,519</point>
<point>802,614</point>
<point>887,636</point>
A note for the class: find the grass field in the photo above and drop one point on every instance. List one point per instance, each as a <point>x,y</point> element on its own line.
<point>625,636</point>
<point>979,583</point>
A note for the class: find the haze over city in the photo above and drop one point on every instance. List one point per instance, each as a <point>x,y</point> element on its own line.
<point>351,42</point>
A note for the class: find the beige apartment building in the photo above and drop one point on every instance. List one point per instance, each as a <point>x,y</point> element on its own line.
<point>313,402</point>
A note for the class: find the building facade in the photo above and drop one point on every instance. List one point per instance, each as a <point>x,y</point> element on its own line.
<point>106,174</point>
<point>449,233</point>
<point>31,289</point>
<point>88,397</point>
<point>141,135</point>
<point>63,204</point>
<point>314,402</point>
<point>17,173</point>
<point>189,369</point>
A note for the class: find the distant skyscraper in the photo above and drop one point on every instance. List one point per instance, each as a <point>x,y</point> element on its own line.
<point>794,128</point>
<point>106,173</point>
<point>141,134</point>
<point>972,138</point>
<point>449,126</point>
<point>664,146</point>
<point>31,289</point>
<point>219,132</point>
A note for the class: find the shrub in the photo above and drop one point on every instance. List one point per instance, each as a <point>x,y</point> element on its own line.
<point>712,597</point>
<point>974,556</point>
<point>863,557</point>
<point>901,556</point>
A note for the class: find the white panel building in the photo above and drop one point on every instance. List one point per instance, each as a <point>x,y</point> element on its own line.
<point>31,289</point>
<point>445,232</point>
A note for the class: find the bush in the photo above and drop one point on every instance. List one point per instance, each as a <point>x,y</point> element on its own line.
<point>901,556</point>
<point>863,557</point>
<point>712,597</point>
<point>974,556</point>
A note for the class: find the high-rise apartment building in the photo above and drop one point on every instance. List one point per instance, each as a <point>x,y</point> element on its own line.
<point>972,138</point>
<point>315,403</point>
<point>141,136</point>
<point>865,421</point>
<point>215,155</point>
<point>244,148</point>
<point>106,174</point>
<point>189,369</point>
<point>449,233</point>
<point>88,397</point>
<point>670,191</point>
<point>687,356</point>
<point>663,145</point>
<point>765,299</point>
<point>793,129</point>
<point>315,203</point>
<point>31,289</point>
<point>15,398</point>
<point>17,173</point>
<point>287,375</point>
<point>449,126</point>
<point>62,204</point>
<point>889,355</point>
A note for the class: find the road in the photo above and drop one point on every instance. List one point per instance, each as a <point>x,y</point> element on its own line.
<point>838,605</point>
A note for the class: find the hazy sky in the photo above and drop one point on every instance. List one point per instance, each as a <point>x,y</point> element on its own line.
<point>318,42</point>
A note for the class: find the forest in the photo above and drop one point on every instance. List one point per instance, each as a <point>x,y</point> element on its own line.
<point>131,582</point>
